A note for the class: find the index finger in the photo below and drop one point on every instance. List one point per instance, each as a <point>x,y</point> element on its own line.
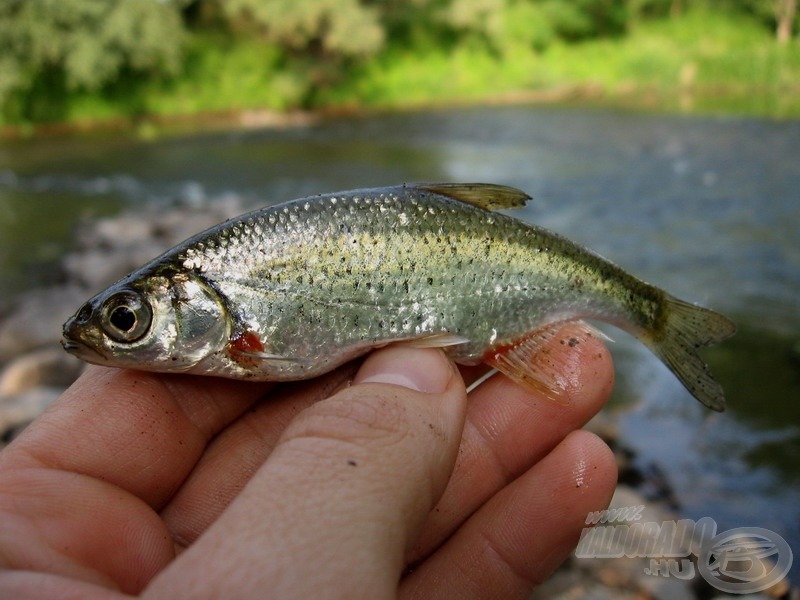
<point>142,432</point>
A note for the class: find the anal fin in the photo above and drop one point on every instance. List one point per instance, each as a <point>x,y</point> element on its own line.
<point>531,363</point>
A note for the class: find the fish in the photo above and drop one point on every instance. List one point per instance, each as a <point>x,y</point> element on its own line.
<point>294,290</point>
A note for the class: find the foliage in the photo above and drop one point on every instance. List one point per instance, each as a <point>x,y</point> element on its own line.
<point>582,19</point>
<point>224,73</point>
<point>338,27</point>
<point>701,60</point>
<point>62,46</point>
<point>84,59</point>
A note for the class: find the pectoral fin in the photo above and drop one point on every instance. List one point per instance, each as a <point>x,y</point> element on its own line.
<point>437,340</point>
<point>255,355</point>
<point>531,363</point>
<point>246,347</point>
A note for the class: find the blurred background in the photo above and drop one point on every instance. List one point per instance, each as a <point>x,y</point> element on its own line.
<point>85,62</point>
<point>661,133</point>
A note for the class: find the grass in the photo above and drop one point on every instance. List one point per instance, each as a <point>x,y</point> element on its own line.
<point>221,74</point>
<point>701,61</point>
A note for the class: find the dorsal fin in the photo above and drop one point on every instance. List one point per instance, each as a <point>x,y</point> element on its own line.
<point>488,196</point>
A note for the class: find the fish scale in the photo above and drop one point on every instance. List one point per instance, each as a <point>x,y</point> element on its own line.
<point>293,290</point>
<point>366,271</point>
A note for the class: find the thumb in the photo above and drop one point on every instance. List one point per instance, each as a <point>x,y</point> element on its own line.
<point>342,497</point>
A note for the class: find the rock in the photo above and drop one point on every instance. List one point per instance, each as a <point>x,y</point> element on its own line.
<point>36,318</point>
<point>174,226</point>
<point>97,268</point>
<point>17,411</point>
<point>91,268</point>
<point>637,577</point>
<point>51,367</point>
<point>569,583</point>
<point>126,230</point>
<point>29,383</point>
<point>111,248</point>
<point>780,589</point>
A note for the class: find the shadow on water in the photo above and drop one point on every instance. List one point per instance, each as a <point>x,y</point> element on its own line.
<point>761,371</point>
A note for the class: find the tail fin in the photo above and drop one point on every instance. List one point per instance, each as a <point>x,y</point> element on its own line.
<point>687,328</point>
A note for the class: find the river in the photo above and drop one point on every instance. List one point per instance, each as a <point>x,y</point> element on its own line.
<point>707,208</point>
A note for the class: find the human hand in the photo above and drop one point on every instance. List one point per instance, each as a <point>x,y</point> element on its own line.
<point>177,486</point>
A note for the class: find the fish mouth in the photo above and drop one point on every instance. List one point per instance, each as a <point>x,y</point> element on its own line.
<point>81,350</point>
<point>69,345</point>
<point>77,336</point>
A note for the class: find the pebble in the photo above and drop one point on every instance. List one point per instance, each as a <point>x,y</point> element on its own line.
<point>18,410</point>
<point>51,367</point>
<point>35,319</point>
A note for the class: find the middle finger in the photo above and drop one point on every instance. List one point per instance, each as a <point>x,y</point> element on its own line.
<point>510,428</point>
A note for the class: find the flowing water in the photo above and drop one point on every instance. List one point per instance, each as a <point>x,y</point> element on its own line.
<point>708,209</point>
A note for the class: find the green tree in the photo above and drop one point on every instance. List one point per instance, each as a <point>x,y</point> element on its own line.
<point>505,24</point>
<point>481,17</point>
<point>337,28</point>
<point>582,19</point>
<point>53,47</point>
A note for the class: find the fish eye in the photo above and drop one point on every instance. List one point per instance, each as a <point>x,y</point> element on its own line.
<point>126,316</point>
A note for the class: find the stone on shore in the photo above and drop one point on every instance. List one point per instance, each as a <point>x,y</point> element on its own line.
<point>35,319</point>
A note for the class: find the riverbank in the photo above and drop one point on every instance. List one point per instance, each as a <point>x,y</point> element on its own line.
<point>701,62</point>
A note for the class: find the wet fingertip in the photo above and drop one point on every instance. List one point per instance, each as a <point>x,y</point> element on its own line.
<point>593,462</point>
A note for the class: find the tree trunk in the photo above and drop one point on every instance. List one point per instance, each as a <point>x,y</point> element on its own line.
<point>785,11</point>
<point>676,8</point>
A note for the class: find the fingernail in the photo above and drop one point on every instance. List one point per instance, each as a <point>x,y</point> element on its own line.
<point>426,371</point>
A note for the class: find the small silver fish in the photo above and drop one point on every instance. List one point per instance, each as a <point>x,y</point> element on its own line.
<point>291,291</point>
